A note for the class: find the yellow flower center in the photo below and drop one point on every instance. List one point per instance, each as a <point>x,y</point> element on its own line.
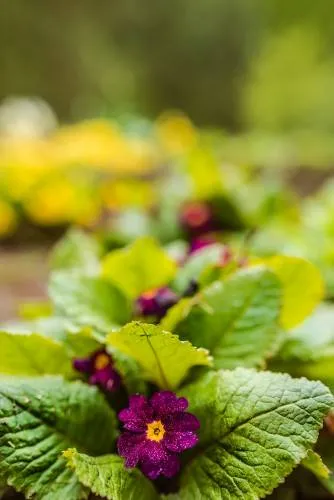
<point>149,294</point>
<point>101,361</point>
<point>155,431</point>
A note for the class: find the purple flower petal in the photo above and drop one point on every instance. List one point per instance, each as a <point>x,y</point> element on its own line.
<point>107,378</point>
<point>166,402</point>
<point>180,441</point>
<point>130,446</point>
<point>82,365</point>
<point>169,467</point>
<point>182,422</point>
<point>136,417</point>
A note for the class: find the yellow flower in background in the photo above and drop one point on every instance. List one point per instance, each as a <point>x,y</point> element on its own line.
<point>100,144</point>
<point>120,194</point>
<point>8,219</point>
<point>26,153</point>
<point>176,132</point>
<point>51,203</point>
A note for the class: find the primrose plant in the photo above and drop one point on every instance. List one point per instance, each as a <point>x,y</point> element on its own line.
<point>147,378</point>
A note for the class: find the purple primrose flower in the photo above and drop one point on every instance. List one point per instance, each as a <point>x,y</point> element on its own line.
<point>156,430</point>
<point>100,369</point>
<point>156,302</point>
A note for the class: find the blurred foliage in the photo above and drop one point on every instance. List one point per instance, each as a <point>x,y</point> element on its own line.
<point>212,58</point>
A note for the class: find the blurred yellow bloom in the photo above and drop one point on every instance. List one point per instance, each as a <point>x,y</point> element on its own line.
<point>8,219</point>
<point>100,144</point>
<point>176,132</point>
<point>51,203</point>
<point>119,194</point>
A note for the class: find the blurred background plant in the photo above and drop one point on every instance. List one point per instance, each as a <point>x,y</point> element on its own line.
<point>85,138</point>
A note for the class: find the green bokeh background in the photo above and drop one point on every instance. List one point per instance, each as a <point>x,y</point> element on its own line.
<point>238,64</point>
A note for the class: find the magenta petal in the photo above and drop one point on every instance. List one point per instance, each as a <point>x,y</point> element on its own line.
<point>166,402</point>
<point>153,451</point>
<point>182,422</point>
<point>130,446</point>
<point>131,420</point>
<point>82,365</point>
<point>180,441</point>
<point>168,468</point>
<point>140,406</point>
<point>107,378</point>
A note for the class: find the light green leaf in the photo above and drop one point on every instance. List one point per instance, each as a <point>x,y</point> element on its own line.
<point>165,359</point>
<point>314,463</point>
<point>139,267</point>
<point>303,287</point>
<point>255,428</point>
<point>237,320</point>
<point>40,418</point>
<point>88,301</point>
<point>76,250</point>
<point>309,348</point>
<point>107,477</point>
<point>32,354</point>
<point>35,310</point>
<point>195,264</point>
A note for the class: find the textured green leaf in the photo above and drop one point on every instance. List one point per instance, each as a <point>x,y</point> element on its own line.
<point>237,320</point>
<point>195,264</point>
<point>76,250</point>
<point>107,477</point>
<point>88,301</point>
<point>139,267</point>
<point>303,287</point>
<point>40,418</point>
<point>32,354</point>
<point>164,358</point>
<point>314,463</point>
<point>255,428</point>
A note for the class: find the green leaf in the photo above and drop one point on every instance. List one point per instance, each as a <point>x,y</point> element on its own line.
<point>303,287</point>
<point>255,428</point>
<point>88,301</point>
<point>32,354</point>
<point>107,477</point>
<point>40,418</point>
<point>237,320</point>
<point>195,264</point>
<point>325,447</point>
<point>139,267</point>
<point>35,310</point>
<point>314,463</point>
<point>309,348</point>
<point>76,250</point>
<point>164,358</point>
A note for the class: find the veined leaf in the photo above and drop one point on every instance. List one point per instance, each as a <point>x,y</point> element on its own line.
<point>32,354</point>
<point>163,356</point>
<point>139,267</point>
<point>76,250</point>
<point>303,287</point>
<point>88,301</point>
<point>256,427</point>
<point>237,320</point>
<point>41,417</point>
<point>107,477</point>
